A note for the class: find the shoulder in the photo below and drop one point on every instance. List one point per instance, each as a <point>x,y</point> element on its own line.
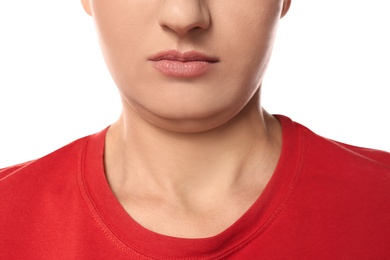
<point>346,173</point>
<point>68,152</point>
<point>325,163</point>
<point>319,148</point>
<point>53,171</point>
<point>45,197</point>
<point>336,153</point>
<point>339,190</point>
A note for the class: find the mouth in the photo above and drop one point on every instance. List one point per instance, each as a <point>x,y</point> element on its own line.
<point>183,65</point>
<point>174,55</point>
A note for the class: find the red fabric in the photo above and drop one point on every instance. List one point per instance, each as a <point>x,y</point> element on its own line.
<point>326,200</point>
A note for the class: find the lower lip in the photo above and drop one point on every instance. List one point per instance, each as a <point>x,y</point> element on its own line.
<point>178,69</point>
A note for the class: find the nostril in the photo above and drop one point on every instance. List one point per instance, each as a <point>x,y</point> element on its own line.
<point>183,17</point>
<point>183,30</point>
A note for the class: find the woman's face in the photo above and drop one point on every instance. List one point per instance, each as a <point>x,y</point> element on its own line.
<point>186,65</point>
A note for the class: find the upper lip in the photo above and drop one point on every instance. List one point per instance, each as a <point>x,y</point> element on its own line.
<point>175,55</point>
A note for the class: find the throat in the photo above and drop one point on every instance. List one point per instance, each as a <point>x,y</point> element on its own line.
<point>201,216</point>
<point>196,185</point>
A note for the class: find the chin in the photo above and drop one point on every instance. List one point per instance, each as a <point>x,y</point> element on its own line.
<point>189,126</point>
<point>196,120</point>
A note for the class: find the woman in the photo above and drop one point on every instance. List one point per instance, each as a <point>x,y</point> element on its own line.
<point>194,168</point>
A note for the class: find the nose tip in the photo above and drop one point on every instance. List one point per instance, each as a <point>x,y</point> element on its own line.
<point>184,16</point>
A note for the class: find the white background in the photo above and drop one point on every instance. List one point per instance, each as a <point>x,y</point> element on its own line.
<point>330,71</point>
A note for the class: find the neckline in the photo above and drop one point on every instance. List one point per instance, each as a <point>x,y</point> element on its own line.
<point>121,227</point>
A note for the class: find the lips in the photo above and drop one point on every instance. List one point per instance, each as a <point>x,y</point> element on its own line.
<point>183,65</point>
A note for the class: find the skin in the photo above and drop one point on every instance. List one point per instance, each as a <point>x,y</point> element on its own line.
<point>186,149</point>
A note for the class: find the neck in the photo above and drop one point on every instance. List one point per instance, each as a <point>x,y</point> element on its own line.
<point>144,159</point>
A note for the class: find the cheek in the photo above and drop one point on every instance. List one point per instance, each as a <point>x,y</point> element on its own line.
<point>121,28</point>
<point>248,37</point>
<point>249,32</point>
